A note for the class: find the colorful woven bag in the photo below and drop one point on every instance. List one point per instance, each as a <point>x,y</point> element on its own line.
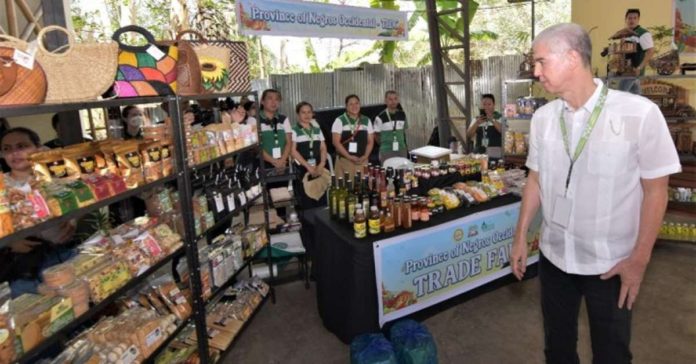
<point>148,70</point>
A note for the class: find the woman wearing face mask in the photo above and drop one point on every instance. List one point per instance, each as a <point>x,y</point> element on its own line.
<point>134,121</point>
<point>33,254</point>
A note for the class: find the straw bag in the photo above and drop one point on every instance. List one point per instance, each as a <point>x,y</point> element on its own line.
<point>19,85</point>
<point>83,72</point>
<point>224,66</point>
<point>188,70</point>
<point>148,70</point>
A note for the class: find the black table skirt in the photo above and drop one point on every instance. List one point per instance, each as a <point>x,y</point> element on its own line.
<point>345,270</point>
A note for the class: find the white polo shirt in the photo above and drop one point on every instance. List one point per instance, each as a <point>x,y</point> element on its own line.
<point>630,142</point>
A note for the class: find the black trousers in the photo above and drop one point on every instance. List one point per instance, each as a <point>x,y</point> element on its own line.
<point>610,327</point>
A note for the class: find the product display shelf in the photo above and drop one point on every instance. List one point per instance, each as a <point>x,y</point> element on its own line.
<point>53,222</point>
<point>168,340</point>
<point>221,158</point>
<point>230,281</point>
<point>216,96</point>
<point>62,335</point>
<point>228,218</point>
<point>687,208</point>
<point>271,176</point>
<point>24,110</point>
<point>224,354</point>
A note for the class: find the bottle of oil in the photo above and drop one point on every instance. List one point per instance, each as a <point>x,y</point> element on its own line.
<point>341,199</point>
<point>374,221</point>
<point>351,200</point>
<point>360,223</point>
<point>333,204</point>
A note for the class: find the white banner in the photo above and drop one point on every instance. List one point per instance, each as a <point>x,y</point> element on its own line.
<point>311,19</point>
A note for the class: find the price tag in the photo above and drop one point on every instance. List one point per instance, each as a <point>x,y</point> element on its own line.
<point>219,204</point>
<point>23,59</point>
<point>242,199</point>
<point>276,153</point>
<point>153,337</point>
<point>230,202</point>
<point>395,146</point>
<point>352,147</point>
<point>155,52</point>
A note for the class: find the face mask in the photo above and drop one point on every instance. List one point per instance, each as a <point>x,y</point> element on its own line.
<point>136,121</point>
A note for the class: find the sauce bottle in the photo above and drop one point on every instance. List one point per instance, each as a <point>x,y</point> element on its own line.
<point>373,222</point>
<point>360,223</point>
<point>406,213</point>
<point>388,222</point>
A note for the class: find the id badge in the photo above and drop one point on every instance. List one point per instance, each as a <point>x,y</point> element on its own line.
<point>484,142</point>
<point>352,147</point>
<point>312,162</point>
<point>276,153</point>
<point>395,146</point>
<point>561,211</point>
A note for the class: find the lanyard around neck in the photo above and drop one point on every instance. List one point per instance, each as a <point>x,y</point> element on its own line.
<point>310,135</point>
<point>585,134</point>
<point>354,124</point>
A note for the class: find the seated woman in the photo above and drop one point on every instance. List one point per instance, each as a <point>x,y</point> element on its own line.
<point>309,152</point>
<point>28,257</point>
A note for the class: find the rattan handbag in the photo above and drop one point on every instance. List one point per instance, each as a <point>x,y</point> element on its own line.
<point>19,85</point>
<point>83,72</point>
<point>188,69</point>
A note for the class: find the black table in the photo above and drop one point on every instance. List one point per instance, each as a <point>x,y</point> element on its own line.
<point>345,270</point>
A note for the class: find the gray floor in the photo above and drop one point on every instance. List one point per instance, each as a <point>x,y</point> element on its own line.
<point>503,326</point>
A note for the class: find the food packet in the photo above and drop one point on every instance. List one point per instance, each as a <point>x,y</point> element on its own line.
<point>130,163</point>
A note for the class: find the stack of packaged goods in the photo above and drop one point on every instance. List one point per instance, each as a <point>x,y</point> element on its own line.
<point>143,322</point>
<point>224,320</point>
<point>77,176</point>
<point>106,262</point>
<point>205,143</point>
<point>228,253</point>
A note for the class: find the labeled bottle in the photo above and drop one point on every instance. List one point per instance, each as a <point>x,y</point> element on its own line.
<point>366,194</point>
<point>383,195</point>
<point>391,190</point>
<point>341,199</point>
<point>360,223</point>
<point>333,205</point>
<point>351,200</point>
<point>373,223</point>
<point>388,222</point>
<point>415,209</point>
<point>424,210</point>
<point>396,211</point>
<point>406,213</point>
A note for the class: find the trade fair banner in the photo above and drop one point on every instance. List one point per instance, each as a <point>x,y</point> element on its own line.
<point>311,19</point>
<point>420,269</point>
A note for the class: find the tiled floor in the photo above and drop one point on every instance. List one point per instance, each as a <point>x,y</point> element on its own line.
<point>503,326</point>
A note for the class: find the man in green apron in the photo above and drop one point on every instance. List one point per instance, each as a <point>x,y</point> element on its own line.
<point>390,128</point>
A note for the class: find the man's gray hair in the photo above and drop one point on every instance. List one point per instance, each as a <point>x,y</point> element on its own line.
<point>567,36</point>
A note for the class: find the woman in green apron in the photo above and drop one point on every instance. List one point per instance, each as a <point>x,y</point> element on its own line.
<point>309,152</point>
<point>352,136</point>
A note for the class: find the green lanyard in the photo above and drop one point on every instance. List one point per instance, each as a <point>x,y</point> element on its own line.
<point>310,136</point>
<point>585,134</point>
<point>353,123</point>
<point>386,111</point>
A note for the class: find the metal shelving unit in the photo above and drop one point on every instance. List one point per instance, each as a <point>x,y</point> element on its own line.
<point>183,178</point>
<point>520,121</point>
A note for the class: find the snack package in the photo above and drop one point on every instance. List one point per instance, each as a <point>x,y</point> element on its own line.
<point>106,147</point>
<point>7,334</point>
<point>130,163</point>
<point>152,161</point>
<point>99,186</point>
<point>167,160</point>
<point>27,207</point>
<point>82,192</point>
<point>80,159</point>
<point>6,227</point>
<point>49,165</point>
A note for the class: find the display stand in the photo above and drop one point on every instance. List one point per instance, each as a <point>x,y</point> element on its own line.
<point>183,180</point>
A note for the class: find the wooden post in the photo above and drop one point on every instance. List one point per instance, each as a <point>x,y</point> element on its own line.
<point>11,18</point>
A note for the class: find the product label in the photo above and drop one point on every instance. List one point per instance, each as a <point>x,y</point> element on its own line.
<point>153,337</point>
<point>242,199</point>
<point>4,335</point>
<point>154,154</point>
<point>230,202</point>
<point>61,315</point>
<point>87,165</point>
<point>342,209</point>
<point>374,226</point>
<point>23,59</point>
<point>129,356</point>
<point>57,169</point>
<point>133,159</point>
<point>351,211</point>
<point>165,152</point>
<point>360,229</point>
<point>219,203</point>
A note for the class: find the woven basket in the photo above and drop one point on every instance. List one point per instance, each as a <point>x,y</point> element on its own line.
<point>19,85</point>
<point>83,72</point>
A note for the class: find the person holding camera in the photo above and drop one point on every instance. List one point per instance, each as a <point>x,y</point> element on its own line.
<point>487,128</point>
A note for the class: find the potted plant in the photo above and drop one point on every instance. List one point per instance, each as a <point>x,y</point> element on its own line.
<point>667,59</point>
